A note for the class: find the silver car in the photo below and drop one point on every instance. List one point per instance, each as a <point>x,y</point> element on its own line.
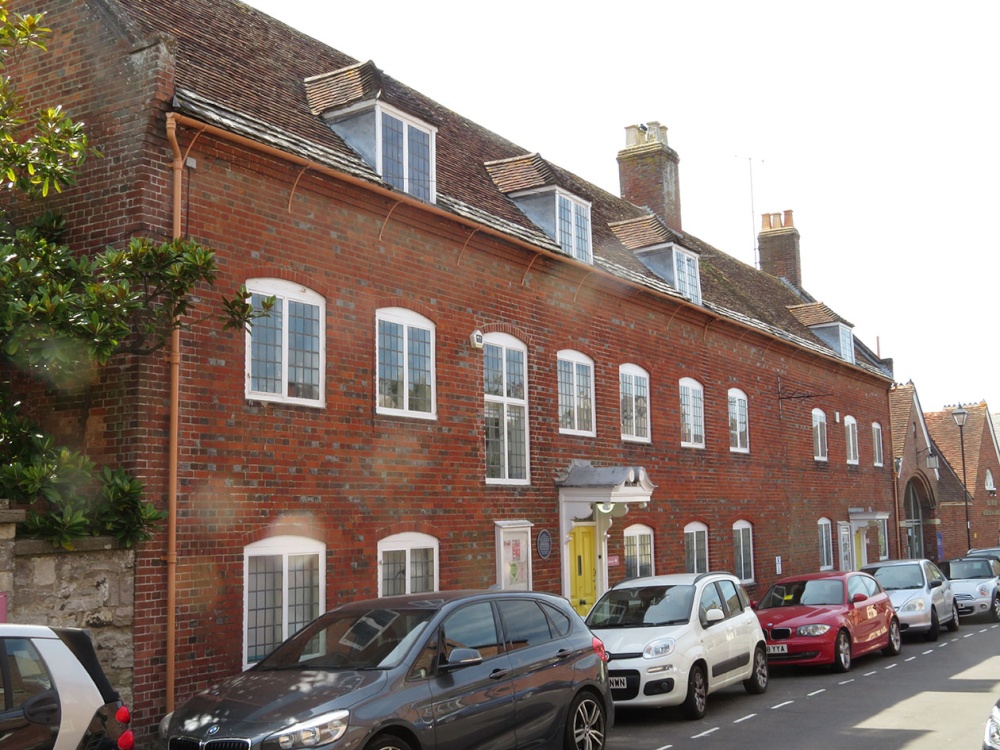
<point>921,594</point>
<point>976,583</point>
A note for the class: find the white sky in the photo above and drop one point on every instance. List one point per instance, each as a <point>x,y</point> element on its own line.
<point>876,121</point>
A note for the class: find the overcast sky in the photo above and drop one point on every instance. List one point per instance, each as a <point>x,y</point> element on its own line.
<point>877,123</point>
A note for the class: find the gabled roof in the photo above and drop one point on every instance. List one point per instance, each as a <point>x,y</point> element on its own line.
<point>977,434</point>
<point>246,72</point>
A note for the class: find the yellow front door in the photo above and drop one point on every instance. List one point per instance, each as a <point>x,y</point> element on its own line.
<point>582,573</point>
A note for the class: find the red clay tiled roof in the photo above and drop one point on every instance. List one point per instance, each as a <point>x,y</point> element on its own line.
<point>355,83</point>
<point>646,231</point>
<point>521,173</point>
<point>816,314</point>
<point>948,438</point>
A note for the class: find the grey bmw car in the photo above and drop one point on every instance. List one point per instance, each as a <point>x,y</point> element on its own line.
<point>495,670</point>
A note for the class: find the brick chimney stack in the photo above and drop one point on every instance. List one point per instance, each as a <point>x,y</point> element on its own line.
<point>779,248</point>
<point>648,172</point>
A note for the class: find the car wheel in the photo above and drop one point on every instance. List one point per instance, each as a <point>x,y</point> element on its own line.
<point>935,629</point>
<point>387,742</point>
<point>756,683</point>
<point>586,726</point>
<point>842,652</point>
<point>895,644</point>
<point>953,623</point>
<point>696,701</point>
<point>995,609</point>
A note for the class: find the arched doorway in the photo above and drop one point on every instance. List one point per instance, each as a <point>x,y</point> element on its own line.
<point>917,521</point>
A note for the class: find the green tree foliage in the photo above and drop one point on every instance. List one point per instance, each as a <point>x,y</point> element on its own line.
<point>65,313</point>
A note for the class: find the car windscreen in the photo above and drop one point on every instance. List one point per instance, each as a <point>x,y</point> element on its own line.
<point>642,606</point>
<point>898,577</point>
<point>958,570</point>
<point>816,593</point>
<point>352,639</point>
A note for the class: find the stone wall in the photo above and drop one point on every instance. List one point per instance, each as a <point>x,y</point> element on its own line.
<point>90,587</point>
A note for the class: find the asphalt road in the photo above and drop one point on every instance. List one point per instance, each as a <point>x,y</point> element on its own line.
<point>933,696</point>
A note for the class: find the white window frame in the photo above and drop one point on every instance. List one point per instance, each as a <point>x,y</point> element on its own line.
<point>990,484</point>
<point>883,538</point>
<point>821,449</point>
<point>577,360</point>
<point>687,274</point>
<point>408,541</point>
<point>846,343</point>
<point>851,440</point>
<point>407,123</point>
<point>285,292</point>
<point>507,403</point>
<point>573,243</point>
<point>513,540</point>
<point>408,319</point>
<point>692,413</point>
<point>632,379</point>
<point>640,532</point>
<point>743,549</point>
<point>877,455</point>
<point>739,439</point>
<point>692,533</point>
<point>286,546</point>
<point>825,528</point>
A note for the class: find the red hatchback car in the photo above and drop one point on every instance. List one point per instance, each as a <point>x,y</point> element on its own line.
<point>828,618</point>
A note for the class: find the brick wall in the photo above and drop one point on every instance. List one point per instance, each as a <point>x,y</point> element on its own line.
<point>249,469</point>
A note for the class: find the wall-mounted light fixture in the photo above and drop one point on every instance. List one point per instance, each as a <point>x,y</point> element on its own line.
<point>476,339</point>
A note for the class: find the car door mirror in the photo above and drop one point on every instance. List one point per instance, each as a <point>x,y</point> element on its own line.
<point>713,616</point>
<point>937,583</point>
<point>462,657</point>
<point>858,598</point>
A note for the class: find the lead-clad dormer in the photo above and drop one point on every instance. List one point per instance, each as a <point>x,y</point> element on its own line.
<point>359,105</point>
<point>531,183</point>
<point>658,248</point>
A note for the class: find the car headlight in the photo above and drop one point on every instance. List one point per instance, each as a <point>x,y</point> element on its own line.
<point>319,731</point>
<point>914,605</point>
<point>656,649</point>
<point>165,725</point>
<point>992,738</point>
<point>816,629</point>
<point>984,591</point>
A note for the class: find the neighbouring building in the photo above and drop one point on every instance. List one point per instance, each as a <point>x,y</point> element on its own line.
<point>480,370</point>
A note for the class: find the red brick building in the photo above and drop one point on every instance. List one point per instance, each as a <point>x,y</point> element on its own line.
<point>481,369</point>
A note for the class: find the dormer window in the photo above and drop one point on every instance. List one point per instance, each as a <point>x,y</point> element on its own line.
<point>574,227</point>
<point>405,154</point>
<point>838,337</point>
<point>687,275</point>
<point>401,148</point>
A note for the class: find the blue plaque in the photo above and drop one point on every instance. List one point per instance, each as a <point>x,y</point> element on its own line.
<point>544,544</point>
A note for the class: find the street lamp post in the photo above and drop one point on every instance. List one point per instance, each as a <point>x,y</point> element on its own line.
<point>960,416</point>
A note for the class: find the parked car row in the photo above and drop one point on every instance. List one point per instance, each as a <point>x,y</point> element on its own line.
<point>510,669</point>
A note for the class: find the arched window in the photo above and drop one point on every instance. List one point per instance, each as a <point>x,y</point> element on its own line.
<point>404,363</point>
<point>576,393</point>
<point>991,488</point>
<point>743,550</point>
<point>692,396</point>
<point>851,438</point>
<point>505,388</point>
<point>285,350</point>
<point>877,444</point>
<point>739,421</point>
<point>825,544</point>
<point>696,548</point>
<point>638,551</point>
<point>819,435</point>
<point>407,564</point>
<point>633,387</point>
<point>284,589</point>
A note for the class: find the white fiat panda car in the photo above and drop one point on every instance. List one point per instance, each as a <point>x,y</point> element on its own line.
<point>674,639</point>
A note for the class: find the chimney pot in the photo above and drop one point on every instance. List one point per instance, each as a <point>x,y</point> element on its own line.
<point>788,219</point>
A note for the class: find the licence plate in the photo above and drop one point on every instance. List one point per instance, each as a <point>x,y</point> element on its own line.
<point>617,683</point>
<point>777,648</point>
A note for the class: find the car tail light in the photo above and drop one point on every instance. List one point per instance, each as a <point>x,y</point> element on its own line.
<point>126,741</point>
<point>599,649</point>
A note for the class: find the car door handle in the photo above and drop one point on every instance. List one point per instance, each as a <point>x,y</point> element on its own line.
<point>499,674</point>
<point>564,653</point>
